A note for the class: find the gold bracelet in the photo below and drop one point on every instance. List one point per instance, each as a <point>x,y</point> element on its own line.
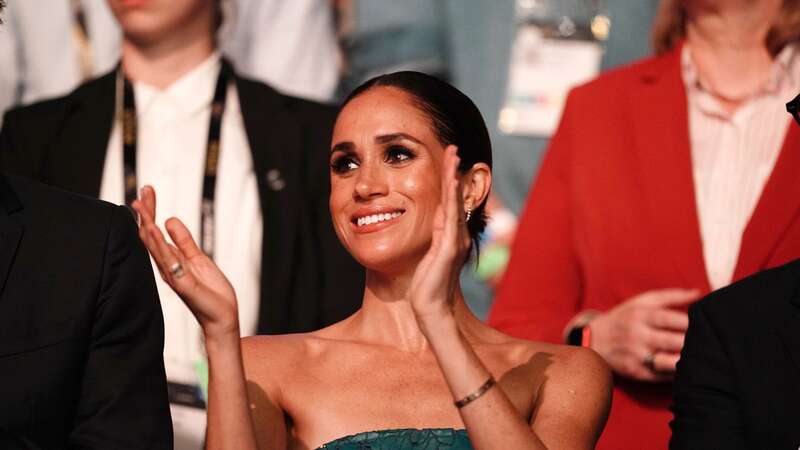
<point>477,394</point>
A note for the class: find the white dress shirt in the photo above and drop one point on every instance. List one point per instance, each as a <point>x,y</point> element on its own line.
<point>733,155</point>
<point>289,44</point>
<point>171,151</point>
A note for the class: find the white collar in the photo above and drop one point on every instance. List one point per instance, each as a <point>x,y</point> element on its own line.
<point>191,92</point>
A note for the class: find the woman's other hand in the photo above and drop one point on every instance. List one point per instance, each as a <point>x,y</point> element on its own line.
<point>642,337</point>
<point>188,271</point>
<point>435,279</point>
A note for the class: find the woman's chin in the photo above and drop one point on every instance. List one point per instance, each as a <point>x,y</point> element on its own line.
<point>387,258</point>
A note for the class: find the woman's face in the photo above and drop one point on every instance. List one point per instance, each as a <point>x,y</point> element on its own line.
<point>385,179</point>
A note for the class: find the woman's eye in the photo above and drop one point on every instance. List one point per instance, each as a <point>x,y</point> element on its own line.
<point>343,164</point>
<point>397,155</point>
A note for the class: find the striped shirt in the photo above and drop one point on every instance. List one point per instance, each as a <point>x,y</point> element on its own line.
<point>733,155</point>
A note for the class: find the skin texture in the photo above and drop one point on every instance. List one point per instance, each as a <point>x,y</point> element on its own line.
<point>164,39</point>
<point>727,40</point>
<point>153,22</point>
<point>414,347</point>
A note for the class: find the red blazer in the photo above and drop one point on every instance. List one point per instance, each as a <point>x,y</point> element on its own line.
<point>612,214</point>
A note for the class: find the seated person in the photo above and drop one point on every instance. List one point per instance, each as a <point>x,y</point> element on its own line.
<point>413,364</point>
<point>244,165</point>
<point>81,331</point>
<point>738,380</point>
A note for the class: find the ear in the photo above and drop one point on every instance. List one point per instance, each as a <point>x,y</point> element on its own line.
<point>476,184</point>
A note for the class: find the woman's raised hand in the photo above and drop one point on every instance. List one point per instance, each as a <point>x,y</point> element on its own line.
<point>188,271</point>
<point>435,280</point>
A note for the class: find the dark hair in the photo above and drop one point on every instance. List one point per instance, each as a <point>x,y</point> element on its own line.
<point>455,120</point>
<point>2,6</point>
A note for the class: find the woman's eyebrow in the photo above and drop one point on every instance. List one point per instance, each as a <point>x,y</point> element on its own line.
<point>343,147</point>
<point>386,138</point>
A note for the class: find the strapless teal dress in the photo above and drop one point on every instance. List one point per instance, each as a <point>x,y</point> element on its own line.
<point>405,439</point>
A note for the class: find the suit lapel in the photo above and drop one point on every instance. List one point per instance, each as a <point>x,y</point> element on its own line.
<point>274,140</point>
<point>661,130</point>
<point>775,211</point>
<point>78,164</point>
<point>10,232</point>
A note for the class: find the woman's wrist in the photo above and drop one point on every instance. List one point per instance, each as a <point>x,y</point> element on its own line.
<point>434,324</point>
<point>222,339</point>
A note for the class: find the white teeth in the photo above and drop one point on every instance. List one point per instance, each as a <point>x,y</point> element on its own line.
<point>375,218</point>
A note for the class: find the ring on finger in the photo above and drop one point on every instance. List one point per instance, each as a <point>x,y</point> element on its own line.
<point>649,361</point>
<point>176,270</point>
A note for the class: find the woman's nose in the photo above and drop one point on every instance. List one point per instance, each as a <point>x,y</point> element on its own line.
<point>371,182</point>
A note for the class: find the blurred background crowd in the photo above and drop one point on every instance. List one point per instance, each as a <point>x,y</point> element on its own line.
<point>321,50</point>
<point>662,181</point>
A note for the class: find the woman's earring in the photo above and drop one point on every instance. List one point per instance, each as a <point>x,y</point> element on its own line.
<point>469,213</point>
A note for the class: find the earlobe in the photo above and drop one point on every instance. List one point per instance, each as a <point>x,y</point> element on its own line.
<point>476,184</point>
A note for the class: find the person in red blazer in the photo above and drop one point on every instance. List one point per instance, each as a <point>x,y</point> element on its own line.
<point>611,239</point>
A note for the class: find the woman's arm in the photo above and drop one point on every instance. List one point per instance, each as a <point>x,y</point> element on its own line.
<point>570,410</point>
<point>212,300</point>
<point>571,407</point>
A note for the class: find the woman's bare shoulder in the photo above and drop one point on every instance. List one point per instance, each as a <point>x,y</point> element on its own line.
<point>563,365</point>
<point>573,386</point>
<point>280,349</point>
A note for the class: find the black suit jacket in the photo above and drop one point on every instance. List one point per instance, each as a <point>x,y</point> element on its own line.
<point>308,280</point>
<point>738,379</point>
<point>81,331</point>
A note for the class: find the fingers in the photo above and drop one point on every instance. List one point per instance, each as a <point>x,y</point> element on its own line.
<point>665,341</point>
<point>449,204</point>
<point>447,172</point>
<point>181,236</point>
<point>665,362</point>
<point>162,254</point>
<point>670,297</point>
<point>661,368</point>
<point>668,319</point>
<point>147,196</point>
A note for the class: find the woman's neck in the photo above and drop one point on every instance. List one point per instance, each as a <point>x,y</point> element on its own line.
<point>386,316</point>
<point>161,64</point>
<point>728,46</point>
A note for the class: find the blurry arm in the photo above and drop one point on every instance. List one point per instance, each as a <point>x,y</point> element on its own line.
<point>705,404</point>
<point>541,289</point>
<point>123,402</point>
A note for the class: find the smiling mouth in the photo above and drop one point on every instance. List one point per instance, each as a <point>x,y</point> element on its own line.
<point>376,218</point>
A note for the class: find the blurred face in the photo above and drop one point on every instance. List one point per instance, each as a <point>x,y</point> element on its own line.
<point>148,21</point>
<point>385,179</point>
<point>714,5</point>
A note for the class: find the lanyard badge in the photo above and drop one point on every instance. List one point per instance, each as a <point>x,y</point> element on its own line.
<point>558,44</point>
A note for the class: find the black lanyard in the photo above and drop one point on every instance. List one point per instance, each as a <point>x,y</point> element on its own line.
<point>129,141</point>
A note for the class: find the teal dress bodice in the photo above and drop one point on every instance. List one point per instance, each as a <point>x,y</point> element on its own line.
<point>404,439</point>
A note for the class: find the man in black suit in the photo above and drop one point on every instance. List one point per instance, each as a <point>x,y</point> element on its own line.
<point>245,166</point>
<point>81,332</point>
<point>737,384</point>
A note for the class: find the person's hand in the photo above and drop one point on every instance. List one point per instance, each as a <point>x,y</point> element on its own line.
<point>642,337</point>
<point>435,280</point>
<point>188,271</point>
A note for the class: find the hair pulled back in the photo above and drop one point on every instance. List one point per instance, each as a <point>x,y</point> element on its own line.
<point>454,118</point>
